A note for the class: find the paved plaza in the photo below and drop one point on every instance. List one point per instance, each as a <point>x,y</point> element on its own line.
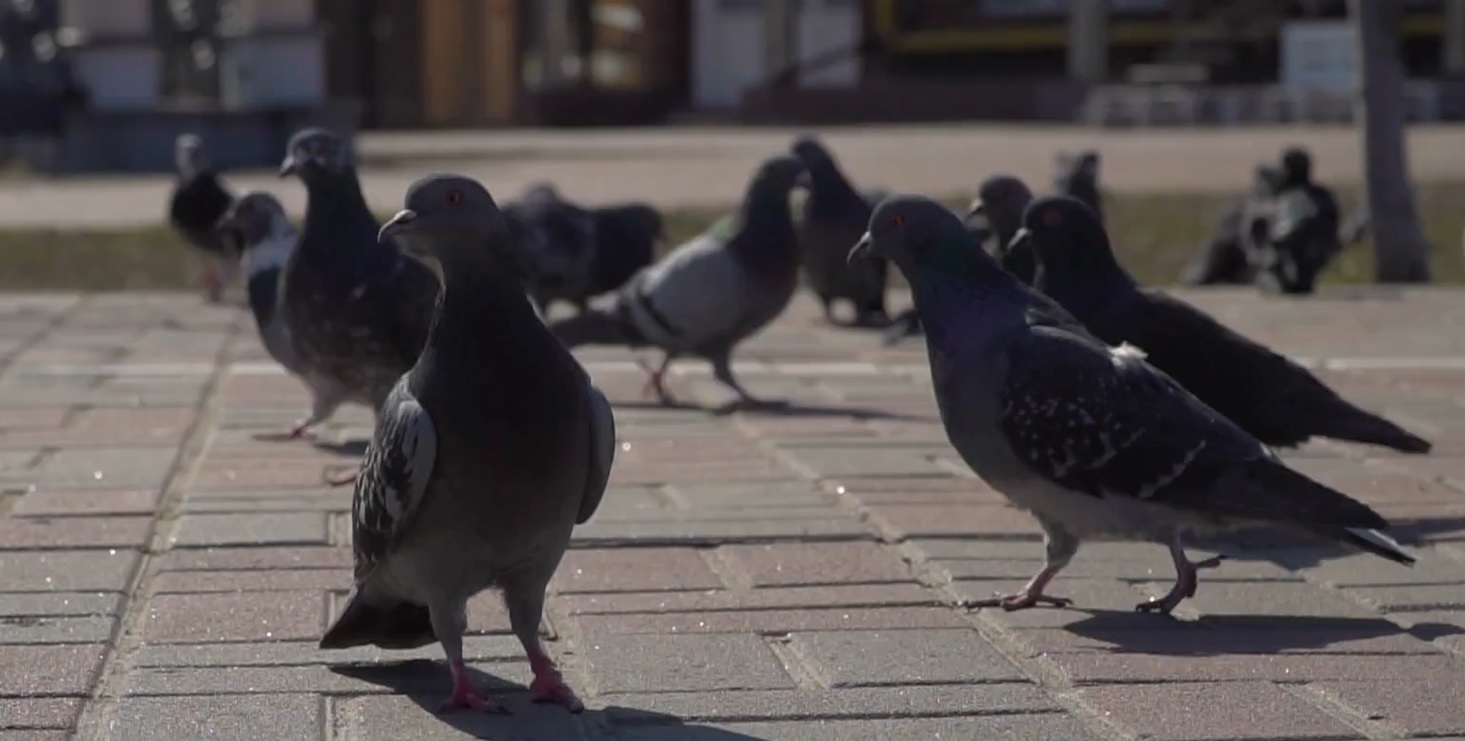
<point>754,576</point>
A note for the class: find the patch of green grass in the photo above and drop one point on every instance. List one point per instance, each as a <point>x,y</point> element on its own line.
<point>1156,236</point>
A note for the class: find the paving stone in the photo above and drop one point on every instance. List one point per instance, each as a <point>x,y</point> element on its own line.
<point>1214,711</point>
<point>395,718</point>
<point>412,677</point>
<point>706,532</point>
<point>53,503</point>
<point>1047,726</point>
<point>1086,668</point>
<point>828,462</point>
<point>59,604</point>
<point>683,663</point>
<point>1417,705</point>
<point>48,712</point>
<point>111,468</point>
<point>829,595</point>
<point>249,559</point>
<point>855,702</point>
<point>74,532</point>
<point>306,653</point>
<point>29,671</point>
<point>43,735</point>
<point>910,521</point>
<point>772,621</point>
<point>68,571</point>
<point>634,570</point>
<point>293,528</point>
<point>226,718</point>
<point>31,630</point>
<point>251,616</point>
<point>1291,600</point>
<point>851,658</point>
<point>793,564</point>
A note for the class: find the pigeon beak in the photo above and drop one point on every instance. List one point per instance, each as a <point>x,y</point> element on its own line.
<point>978,208</point>
<point>401,221</point>
<point>861,250</point>
<point>289,166</point>
<point>1023,238</point>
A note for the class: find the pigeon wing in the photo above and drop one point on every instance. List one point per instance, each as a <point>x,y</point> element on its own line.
<point>693,296</point>
<point>602,453</point>
<point>393,478</point>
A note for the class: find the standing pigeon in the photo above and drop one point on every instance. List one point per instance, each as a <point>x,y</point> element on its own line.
<point>709,294</point>
<point>626,236</point>
<point>357,310</point>
<point>835,215</point>
<point>992,220</point>
<point>560,238</point>
<point>259,223</point>
<point>486,454</point>
<point>1090,439</point>
<point>1078,177</point>
<point>1269,396</point>
<point>197,203</point>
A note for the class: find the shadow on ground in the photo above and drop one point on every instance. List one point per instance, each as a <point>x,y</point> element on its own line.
<point>1230,635</point>
<point>426,684</point>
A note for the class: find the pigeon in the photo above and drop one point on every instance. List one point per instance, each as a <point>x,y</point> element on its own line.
<point>486,455</point>
<point>261,227</point>
<point>1274,399</point>
<point>992,220</point>
<point>834,217</point>
<point>1226,259</point>
<point>1305,229</point>
<point>197,203</point>
<point>709,294</point>
<point>560,237</point>
<point>1078,177</point>
<point>358,311</point>
<point>1091,439</point>
<point>626,236</point>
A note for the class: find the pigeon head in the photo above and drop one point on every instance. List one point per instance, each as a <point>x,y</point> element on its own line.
<point>922,237</point>
<point>811,152</point>
<point>316,152</point>
<point>448,218</point>
<point>189,155</point>
<point>1266,180</point>
<point>779,174</point>
<point>1067,238</point>
<point>255,217</point>
<point>1296,166</point>
<point>1002,199</point>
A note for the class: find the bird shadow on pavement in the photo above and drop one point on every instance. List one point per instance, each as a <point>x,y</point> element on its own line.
<point>1229,635</point>
<point>791,409</point>
<point>344,448</point>
<point>425,683</point>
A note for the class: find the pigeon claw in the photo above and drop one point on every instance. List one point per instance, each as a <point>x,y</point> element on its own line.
<point>551,688</point>
<point>342,477</point>
<point>467,697</point>
<point>1019,601</point>
<point>293,432</point>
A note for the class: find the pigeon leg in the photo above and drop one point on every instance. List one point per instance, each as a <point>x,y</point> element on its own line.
<point>655,385</point>
<point>212,286</point>
<point>722,371</point>
<point>342,478</point>
<point>322,405</point>
<point>1185,580</point>
<point>1061,548</point>
<point>448,623</point>
<point>526,606</point>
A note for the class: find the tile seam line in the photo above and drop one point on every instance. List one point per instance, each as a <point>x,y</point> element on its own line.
<point>125,641</point>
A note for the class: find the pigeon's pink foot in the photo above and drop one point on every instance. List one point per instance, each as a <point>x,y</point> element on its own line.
<point>549,685</point>
<point>213,287</point>
<point>1020,600</point>
<point>467,697</point>
<point>342,478</point>
<point>293,432</point>
<point>1186,582</point>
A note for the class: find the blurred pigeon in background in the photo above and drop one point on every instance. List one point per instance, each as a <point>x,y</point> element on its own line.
<point>260,225</point>
<point>559,237</point>
<point>626,237</point>
<point>834,217</point>
<point>1272,398</point>
<point>486,454</point>
<point>198,201</point>
<point>1092,440</point>
<point>1078,177</point>
<point>709,294</point>
<point>358,311</point>
<point>1225,260</point>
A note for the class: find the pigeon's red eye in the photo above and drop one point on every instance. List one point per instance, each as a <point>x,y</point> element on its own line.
<point>455,198</point>
<point>896,220</point>
<point>1053,218</point>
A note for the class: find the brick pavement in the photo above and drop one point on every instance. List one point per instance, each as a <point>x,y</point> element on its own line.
<point>164,576</point>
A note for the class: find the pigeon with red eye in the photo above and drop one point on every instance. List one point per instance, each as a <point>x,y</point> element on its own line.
<point>1092,440</point>
<point>486,454</point>
<point>1278,401</point>
<point>709,294</point>
<point>358,311</point>
<point>199,200</point>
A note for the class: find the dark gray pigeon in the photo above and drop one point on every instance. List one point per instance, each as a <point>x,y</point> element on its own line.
<point>1272,398</point>
<point>259,223</point>
<point>1078,177</point>
<point>709,294</point>
<point>560,240</point>
<point>993,218</point>
<point>358,311</point>
<point>834,217</point>
<point>1092,440</point>
<point>1226,259</point>
<point>198,201</point>
<point>486,454</point>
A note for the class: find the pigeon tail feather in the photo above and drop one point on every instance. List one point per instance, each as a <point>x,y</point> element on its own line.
<point>1356,425</point>
<point>1376,543</point>
<point>397,625</point>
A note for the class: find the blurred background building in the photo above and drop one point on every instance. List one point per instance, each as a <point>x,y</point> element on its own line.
<point>106,84</point>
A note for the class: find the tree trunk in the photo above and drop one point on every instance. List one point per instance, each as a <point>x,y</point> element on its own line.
<point>1401,254</point>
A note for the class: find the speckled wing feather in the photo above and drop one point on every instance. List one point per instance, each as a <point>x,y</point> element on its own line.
<point>602,453</point>
<point>393,478</point>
